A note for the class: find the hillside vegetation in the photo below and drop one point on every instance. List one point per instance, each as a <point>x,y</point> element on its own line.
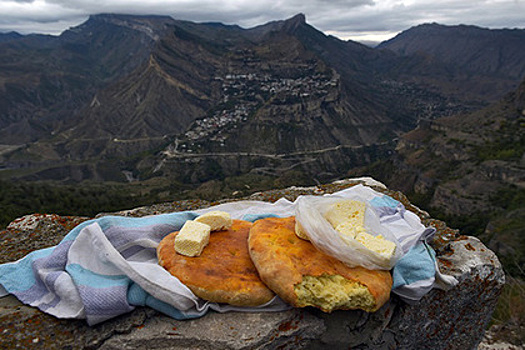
<point>469,170</point>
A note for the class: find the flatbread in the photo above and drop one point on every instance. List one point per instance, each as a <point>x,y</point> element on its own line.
<point>223,273</point>
<point>304,276</point>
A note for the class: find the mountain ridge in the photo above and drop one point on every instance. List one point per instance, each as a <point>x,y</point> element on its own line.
<point>473,48</point>
<point>214,88</point>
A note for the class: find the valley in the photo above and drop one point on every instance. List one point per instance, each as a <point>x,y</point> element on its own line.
<point>203,103</point>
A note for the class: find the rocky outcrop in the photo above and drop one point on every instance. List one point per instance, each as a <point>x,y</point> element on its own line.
<point>454,319</point>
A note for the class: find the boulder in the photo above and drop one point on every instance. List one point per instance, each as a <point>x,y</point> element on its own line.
<point>454,319</point>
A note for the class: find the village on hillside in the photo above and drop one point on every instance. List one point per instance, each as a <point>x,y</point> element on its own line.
<point>243,94</point>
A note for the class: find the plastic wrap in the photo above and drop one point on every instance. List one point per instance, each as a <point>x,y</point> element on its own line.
<point>310,211</point>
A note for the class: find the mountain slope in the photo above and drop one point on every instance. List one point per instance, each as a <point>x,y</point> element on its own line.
<point>45,80</point>
<point>264,82</point>
<point>279,97</point>
<point>483,61</point>
<point>473,164</point>
<point>496,51</point>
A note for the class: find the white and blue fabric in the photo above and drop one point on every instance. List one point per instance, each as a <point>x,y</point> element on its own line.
<point>107,266</point>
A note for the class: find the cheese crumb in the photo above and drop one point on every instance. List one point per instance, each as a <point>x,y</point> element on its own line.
<point>300,232</point>
<point>192,238</point>
<point>349,230</point>
<point>217,220</point>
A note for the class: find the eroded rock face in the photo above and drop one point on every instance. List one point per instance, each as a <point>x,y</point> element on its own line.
<point>454,319</point>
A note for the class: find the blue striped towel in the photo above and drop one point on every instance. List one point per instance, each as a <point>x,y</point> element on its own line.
<point>107,266</point>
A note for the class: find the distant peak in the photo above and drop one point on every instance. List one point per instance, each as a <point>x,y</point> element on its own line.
<point>103,16</point>
<point>430,24</point>
<point>436,27</point>
<point>123,17</point>
<point>298,18</point>
<point>10,33</point>
<point>291,24</point>
<point>150,25</point>
<point>9,36</point>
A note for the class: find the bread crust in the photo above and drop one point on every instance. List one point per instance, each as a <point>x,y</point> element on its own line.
<point>223,273</point>
<point>282,259</point>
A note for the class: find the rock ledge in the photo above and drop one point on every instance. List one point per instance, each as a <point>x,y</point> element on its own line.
<point>441,320</point>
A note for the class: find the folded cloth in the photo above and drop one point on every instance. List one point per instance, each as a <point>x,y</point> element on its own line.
<point>107,266</point>
<point>417,272</point>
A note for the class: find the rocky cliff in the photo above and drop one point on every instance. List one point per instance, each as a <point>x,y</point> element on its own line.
<point>441,320</point>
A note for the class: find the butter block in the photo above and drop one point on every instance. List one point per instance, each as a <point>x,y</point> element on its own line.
<point>192,238</point>
<point>351,212</point>
<point>299,232</point>
<point>217,220</point>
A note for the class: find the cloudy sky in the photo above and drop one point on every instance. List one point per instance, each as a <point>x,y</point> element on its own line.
<point>361,20</point>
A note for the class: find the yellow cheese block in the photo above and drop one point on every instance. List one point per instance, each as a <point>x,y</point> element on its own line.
<point>378,244</point>
<point>217,220</point>
<point>348,229</point>
<point>346,211</point>
<point>348,218</point>
<point>192,238</point>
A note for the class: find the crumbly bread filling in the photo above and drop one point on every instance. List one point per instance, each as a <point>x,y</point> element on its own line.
<point>330,292</point>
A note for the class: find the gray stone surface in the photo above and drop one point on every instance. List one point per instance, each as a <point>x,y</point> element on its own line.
<point>455,319</point>
<point>292,329</point>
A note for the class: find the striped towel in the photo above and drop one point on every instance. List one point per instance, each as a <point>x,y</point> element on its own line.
<point>107,266</point>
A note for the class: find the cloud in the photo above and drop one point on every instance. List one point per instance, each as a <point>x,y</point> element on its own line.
<point>346,18</point>
<point>389,17</point>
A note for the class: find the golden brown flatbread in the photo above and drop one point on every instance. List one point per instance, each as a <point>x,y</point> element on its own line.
<point>223,273</point>
<point>304,276</point>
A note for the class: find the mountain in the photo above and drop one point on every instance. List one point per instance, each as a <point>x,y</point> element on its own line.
<point>472,56</point>
<point>475,49</point>
<point>193,69</point>
<point>9,36</point>
<point>153,96</point>
<point>47,79</point>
